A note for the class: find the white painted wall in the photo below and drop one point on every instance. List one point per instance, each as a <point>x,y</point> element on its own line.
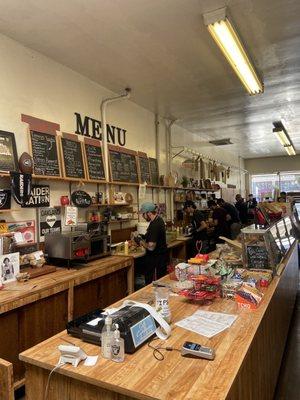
<point>36,85</point>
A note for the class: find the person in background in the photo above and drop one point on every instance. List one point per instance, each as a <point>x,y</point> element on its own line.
<point>241,206</point>
<point>155,243</point>
<point>283,196</point>
<point>199,227</point>
<point>251,205</point>
<point>233,219</point>
<point>251,202</point>
<point>219,217</point>
<point>203,201</point>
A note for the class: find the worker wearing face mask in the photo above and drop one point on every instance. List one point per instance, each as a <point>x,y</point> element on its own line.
<point>155,243</point>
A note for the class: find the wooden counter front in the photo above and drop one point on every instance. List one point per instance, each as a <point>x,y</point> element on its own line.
<point>246,366</point>
<point>36,310</point>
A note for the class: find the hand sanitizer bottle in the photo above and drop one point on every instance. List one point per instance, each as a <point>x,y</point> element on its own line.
<point>106,336</point>
<point>117,346</point>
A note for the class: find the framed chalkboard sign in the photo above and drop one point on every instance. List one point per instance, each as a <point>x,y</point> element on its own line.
<point>94,159</point>
<point>123,165</point>
<point>154,172</point>
<point>8,152</point>
<point>44,151</point>
<point>257,257</point>
<point>144,168</point>
<point>72,157</point>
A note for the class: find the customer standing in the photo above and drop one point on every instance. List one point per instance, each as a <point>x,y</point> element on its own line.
<point>199,227</point>
<point>241,206</point>
<point>155,243</point>
<point>219,216</point>
<point>233,219</point>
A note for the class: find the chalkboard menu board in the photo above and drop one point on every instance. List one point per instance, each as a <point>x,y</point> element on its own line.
<point>73,165</point>
<point>154,171</point>
<point>94,160</point>
<point>45,154</point>
<point>144,169</point>
<point>123,165</point>
<point>8,152</point>
<point>257,257</point>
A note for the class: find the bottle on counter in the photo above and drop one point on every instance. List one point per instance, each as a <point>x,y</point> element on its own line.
<point>162,302</point>
<point>117,346</point>
<point>106,337</point>
<point>126,247</point>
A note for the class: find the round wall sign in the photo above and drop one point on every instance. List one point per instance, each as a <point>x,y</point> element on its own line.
<point>81,199</point>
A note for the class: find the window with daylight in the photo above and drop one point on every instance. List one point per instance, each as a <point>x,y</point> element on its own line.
<point>269,185</point>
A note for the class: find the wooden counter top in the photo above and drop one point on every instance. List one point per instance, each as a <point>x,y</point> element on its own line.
<point>141,252</point>
<point>141,376</point>
<point>17,294</point>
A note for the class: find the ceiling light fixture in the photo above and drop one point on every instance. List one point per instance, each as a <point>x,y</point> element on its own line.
<point>226,37</point>
<point>290,150</point>
<point>282,137</point>
<point>281,134</point>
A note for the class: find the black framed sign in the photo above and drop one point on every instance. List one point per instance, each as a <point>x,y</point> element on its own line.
<point>8,152</point>
<point>94,159</point>
<point>44,150</point>
<point>123,165</point>
<point>72,157</point>
<point>144,168</point>
<point>154,171</point>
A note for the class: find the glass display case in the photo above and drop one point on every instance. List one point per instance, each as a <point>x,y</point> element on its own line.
<point>265,248</point>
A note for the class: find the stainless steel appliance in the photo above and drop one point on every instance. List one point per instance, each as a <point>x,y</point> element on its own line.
<point>78,245</point>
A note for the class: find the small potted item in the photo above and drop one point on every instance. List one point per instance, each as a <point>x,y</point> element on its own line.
<point>184,181</point>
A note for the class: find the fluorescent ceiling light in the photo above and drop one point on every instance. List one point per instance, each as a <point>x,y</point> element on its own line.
<point>282,137</point>
<point>228,41</point>
<point>290,150</point>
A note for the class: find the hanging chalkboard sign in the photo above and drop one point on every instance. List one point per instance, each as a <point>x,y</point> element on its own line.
<point>72,159</point>
<point>8,152</point>
<point>257,257</point>
<point>144,168</point>
<point>123,165</point>
<point>154,171</point>
<point>94,159</point>
<point>44,152</point>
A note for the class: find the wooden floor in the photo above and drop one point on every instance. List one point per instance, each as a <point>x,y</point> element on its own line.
<point>288,383</point>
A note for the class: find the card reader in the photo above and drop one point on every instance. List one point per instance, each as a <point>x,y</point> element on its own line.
<point>190,349</point>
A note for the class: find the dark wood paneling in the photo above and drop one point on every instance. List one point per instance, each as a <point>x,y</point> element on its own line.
<point>9,337</point>
<point>113,287</point>
<point>42,319</point>
<point>100,293</point>
<point>86,298</point>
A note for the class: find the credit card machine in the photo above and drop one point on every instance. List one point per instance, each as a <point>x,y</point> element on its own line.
<point>190,349</point>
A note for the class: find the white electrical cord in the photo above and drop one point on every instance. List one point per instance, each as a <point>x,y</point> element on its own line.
<point>49,377</point>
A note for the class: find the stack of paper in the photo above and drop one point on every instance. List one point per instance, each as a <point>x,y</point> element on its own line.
<point>207,323</point>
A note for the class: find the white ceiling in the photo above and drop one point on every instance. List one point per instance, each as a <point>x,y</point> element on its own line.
<point>162,50</point>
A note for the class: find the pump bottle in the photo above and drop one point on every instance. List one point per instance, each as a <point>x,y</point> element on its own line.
<point>117,346</point>
<point>106,338</point>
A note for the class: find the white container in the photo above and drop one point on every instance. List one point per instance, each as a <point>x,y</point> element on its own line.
<point>106,337</point>
<point>142,227</point>
<point>162,302</point>
<point>117,346</point>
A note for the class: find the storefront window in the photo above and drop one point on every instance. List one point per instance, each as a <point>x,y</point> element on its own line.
<point>265,186</point>
<point>269,185</point>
